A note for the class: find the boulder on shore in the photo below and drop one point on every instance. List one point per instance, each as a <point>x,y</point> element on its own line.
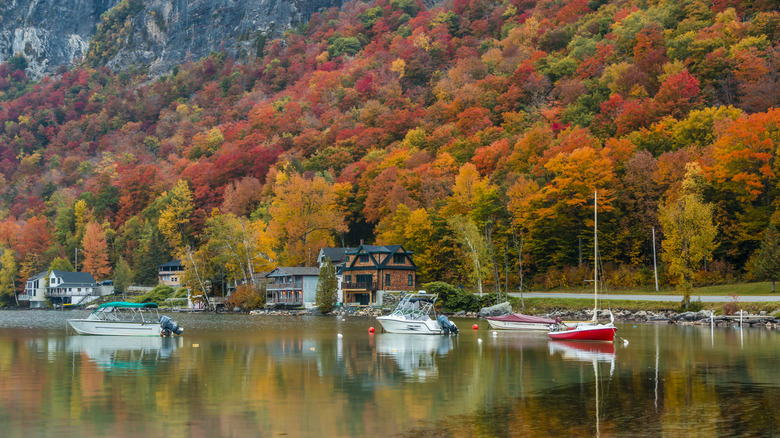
<point>497,310</point>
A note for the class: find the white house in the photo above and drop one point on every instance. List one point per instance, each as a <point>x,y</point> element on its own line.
<point>73,288</point>
<point>35,291</point>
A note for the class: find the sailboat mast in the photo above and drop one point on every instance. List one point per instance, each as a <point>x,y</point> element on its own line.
<point>595,256</point>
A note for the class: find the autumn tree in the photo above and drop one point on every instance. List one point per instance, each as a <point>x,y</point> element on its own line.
<point>689,234</point>
<point>304,217</point>
<point>766,264</point>
<point>242,196</point>
<point>95,252</point>
<point>33,246</point>
<point>241,245</point>
<point>473,244</point>
<point>198,269</point>
<point>175,217</point>
<point>8,277</point>
<point>327,288</point>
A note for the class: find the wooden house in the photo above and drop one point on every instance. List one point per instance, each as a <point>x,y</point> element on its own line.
<point>372,271</point>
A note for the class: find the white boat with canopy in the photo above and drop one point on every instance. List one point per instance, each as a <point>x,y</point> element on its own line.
<point>413,315</point>
<point>120,318</point>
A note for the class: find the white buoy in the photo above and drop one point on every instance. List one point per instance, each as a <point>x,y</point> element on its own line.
<point>625,341</point>
<point>340,336</point>
<point>495,334</point>
<point>479,341</point>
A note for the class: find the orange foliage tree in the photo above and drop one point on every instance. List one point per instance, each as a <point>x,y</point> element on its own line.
<point>95,252</point>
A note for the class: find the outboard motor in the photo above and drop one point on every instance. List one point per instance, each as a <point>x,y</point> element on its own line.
<point>447,326</point>
<point>169,326</point>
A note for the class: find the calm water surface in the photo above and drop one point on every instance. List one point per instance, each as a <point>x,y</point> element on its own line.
<point>264,376</point>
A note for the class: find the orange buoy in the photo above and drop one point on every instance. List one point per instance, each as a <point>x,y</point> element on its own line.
<point>371,330</point>
<point>475,327</point>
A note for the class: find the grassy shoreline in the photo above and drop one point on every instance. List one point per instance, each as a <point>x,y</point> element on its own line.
<point>738,289</point>
<point>534,306</point>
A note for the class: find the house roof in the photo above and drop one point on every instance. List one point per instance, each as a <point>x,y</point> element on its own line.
<point>285,271</point>
<point>336,255</point>
<point>388,249</point>
<point>174,262</point>
<point>79,278</point>
<point>37,276</point>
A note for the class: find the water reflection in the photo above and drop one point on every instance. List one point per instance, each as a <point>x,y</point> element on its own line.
<point>235,375</point>
<point>124,353</point>
<point>416,355</point>
<point>584,351</point>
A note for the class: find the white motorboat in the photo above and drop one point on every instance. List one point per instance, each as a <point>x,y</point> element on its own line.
<point>413,315</point>
<point>518,321</point>
<point>120,318</point>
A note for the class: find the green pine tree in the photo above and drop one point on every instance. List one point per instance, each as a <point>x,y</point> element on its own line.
<point>327,287</point>
<point>767,258</point>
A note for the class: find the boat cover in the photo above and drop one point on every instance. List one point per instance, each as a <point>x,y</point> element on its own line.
<point>128,305</point>
<point>519,317</point>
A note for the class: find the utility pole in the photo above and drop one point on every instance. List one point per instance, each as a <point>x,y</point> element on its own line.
<point>655,265</point>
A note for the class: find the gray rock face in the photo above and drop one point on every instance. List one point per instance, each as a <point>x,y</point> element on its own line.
<point>497,310</point>
<point>164,33</point>
<point>48,33</point>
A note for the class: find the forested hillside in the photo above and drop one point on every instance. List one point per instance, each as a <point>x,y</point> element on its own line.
<point>475,131</point>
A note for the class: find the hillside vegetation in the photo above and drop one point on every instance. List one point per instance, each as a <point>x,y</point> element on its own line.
<point>474,133</point>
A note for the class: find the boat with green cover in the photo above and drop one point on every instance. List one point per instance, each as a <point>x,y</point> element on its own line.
<point>120,318</point>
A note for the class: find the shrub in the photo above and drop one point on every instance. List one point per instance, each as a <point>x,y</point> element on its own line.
<point>246,298</point>
<point>453,300</point>
<point>157,295</point>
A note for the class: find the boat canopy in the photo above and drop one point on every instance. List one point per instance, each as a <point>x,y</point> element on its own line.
<point>126,305</point>
<point>519,317</point>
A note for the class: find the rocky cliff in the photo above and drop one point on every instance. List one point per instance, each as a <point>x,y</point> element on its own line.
<point>154,34</point>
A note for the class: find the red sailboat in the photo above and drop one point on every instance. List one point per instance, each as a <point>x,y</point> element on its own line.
<point>594,331</point>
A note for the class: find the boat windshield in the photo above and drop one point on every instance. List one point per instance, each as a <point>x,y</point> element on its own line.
<point>417,307</point>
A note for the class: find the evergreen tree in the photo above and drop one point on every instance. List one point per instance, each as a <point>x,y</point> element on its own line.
<point>327,287</point>
<point>767,258</point>
<point>123,275</point>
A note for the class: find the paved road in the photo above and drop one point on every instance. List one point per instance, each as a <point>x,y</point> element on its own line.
<point>704,298</point>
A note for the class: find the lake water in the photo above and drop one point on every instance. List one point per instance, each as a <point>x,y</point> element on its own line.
<point>264,376</point>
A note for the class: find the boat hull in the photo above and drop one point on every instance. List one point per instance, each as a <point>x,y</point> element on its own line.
<point>114,328</point>
<point>400,325</point>
<point>508,325</point>
<point>598,333</point>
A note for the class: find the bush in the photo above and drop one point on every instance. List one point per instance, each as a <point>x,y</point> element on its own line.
<point>718,272</point>
<point>569,276</point>
<point>246,298</point>
<point>157,295</point>
<point>453,300</point>
<point>626,276</point>
<point>693,306</point>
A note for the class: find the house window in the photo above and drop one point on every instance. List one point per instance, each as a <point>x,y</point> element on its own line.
<point>398,259</point>
<point>387,279</point>
<point>410,280</point>
<point>347,279</point>
<point>364,278</point>
<point>346,259</point>
<point>363,258</point>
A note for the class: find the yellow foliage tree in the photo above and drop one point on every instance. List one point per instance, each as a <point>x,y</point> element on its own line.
<point>304,217</point>
<point>175,217</point>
